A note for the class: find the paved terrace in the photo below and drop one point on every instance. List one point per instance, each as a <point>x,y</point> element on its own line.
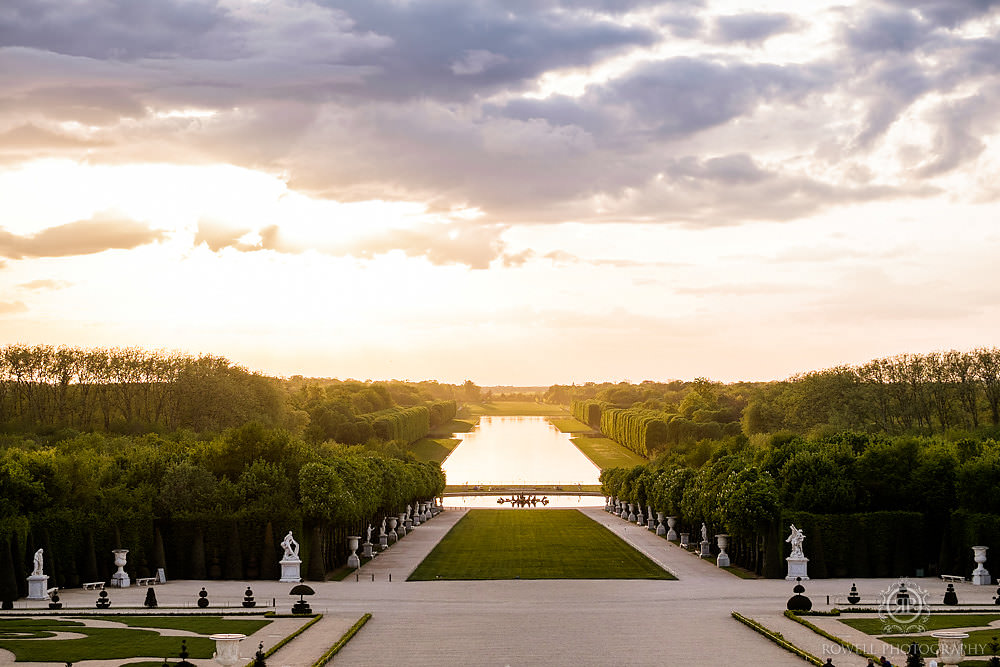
<point>550,622</point>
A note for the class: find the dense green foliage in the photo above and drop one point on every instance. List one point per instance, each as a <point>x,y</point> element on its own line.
<point>534,544</point>
<point>871,505</point>
<point>201,507</point>
<point>195,464</point>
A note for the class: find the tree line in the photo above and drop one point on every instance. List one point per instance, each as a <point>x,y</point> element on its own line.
<point>201,507</point>
<point>878,505</point>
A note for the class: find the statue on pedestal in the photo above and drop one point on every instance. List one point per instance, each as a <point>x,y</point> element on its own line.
<point>291,547</point>
<point>39,563</point>
<point>796,539</point>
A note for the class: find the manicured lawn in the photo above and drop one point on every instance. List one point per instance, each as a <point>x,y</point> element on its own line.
<point>570,425</point>
<point>606,453</point>
<point>434,449</point>
<point>534,544</point>
<point>874,626</point>
<point>203,625</point>
<point>454,426</point>
<point>116,643</point>
<point>514,409</point>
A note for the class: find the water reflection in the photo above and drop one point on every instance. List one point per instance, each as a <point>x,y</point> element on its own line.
<point>475,502</point>
<point>520,451</point>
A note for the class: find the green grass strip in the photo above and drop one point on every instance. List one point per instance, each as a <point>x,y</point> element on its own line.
<point>534,544</point>
<point>268,653</point>
<point>570,425</point>
<point>433,449</point>
<point>606,453</point>
<point>342,642</point>
<point>203,625</point>
<point>871,626</point>
<point>823,633</point>
<point>777,638</point>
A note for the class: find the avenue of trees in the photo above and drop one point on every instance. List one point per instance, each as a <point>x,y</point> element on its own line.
<point>890,467</point>
<point>196,464</point>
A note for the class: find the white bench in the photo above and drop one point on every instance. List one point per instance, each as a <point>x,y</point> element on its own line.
<point>145,581</point>
<point>952,577</point>
<point>93,586</point>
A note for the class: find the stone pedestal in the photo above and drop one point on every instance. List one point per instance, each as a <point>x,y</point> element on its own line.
<point>797,569</point>
<point>650,521</point>
<point>383,541</point>
<point>227,648</point>
<point>631,512</point>
<point>980,576</point>
<point>706,549</point>
<point>950,648</point>
<point>291,571</point>
<point>367,550</point>
<point>408,524</point>
<point>401,529</point>
<point>352,543</point>
<point>723,559</point>
<point>671,533</point>
<point>685,540</point>
<point>38,587</point>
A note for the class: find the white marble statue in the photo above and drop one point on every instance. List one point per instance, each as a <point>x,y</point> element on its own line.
<point>704,533</point>
<point>796,539</point>
<point>291,547</point>
<point>368,533</point>
<point>382,530</point>
<point>409,510</point>
<point>37,571</point>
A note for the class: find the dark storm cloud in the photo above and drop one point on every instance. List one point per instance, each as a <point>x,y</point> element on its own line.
<point>454,48</point>
<point>684,95</point>
<point>425,101</point>
<point>83,237</point>
<point>752,27</point>
<point>948,13</point>
<point>887,31</point>
<point>111,29</point>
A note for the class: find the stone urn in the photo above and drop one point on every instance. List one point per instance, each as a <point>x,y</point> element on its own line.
<point>120,578</point>
<point>401,528</point>
<point>631,512</point>
<point>723,558</point>
<point>227,648</point>
<point>661,530</point>
<point>352,545</point>
<point>671,533</point>
<point>392,529</point>
<point>980,576</point>
<point>950,648</point>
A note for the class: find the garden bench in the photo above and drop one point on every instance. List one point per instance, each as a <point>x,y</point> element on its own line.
<point>952,577</point>
<point>145,581</point>
<point>93,586</point>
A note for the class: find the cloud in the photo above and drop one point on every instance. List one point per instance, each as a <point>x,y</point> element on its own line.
<point>888,31</point>
<point>751,28</point>
<point>83,237</point>
<point>473,245</point>
<point>45,284</point>
<point>12,307</point>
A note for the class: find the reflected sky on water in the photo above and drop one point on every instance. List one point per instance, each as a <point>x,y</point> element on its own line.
<point>520,451</point>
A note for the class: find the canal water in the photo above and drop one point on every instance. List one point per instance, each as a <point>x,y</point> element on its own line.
<point>519,451</point>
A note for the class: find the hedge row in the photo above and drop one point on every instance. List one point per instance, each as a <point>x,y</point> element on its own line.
<point>642,431</point>
<point>589,411</point>
<point>442,412</point>
<point>405,424</point>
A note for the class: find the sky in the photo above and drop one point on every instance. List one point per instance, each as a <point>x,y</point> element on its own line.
<point>520,192</point>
